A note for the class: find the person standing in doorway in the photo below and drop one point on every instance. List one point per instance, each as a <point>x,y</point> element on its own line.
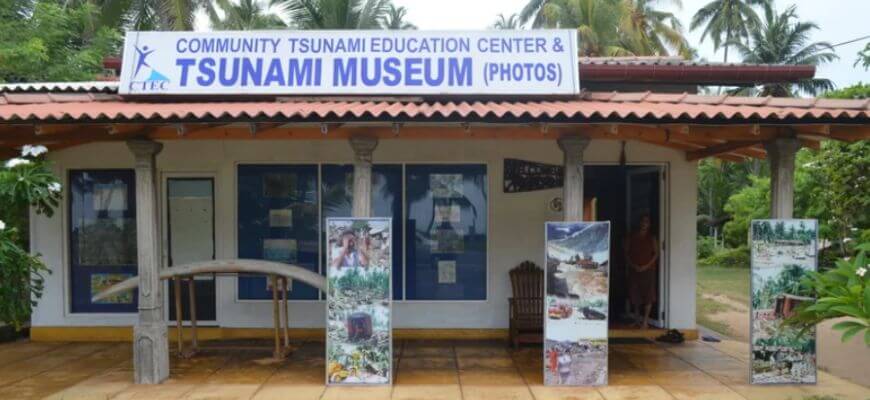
<point>642,255</point>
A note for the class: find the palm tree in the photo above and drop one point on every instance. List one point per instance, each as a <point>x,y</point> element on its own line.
<point>597,23</point>
<point>247,15</point>
<point>653,32</point>
<point>532,12</point>
<point>509,23</point>
<point>726,21</point>
<point>143,15</point>
<point>394,19</point>
<point>782,39</point>
<point>335,14</point>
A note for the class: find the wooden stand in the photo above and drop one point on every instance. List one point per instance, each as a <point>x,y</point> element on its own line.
<point>280,316</point>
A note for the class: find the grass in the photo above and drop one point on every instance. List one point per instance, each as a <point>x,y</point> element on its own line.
<point>732,283</point>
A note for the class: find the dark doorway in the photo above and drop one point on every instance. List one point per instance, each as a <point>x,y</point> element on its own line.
<point>621,195</point>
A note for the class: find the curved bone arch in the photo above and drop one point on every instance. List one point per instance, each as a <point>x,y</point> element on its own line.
<point>236,266</point>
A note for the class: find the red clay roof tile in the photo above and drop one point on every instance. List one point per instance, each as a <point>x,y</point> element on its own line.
<point>15,107</point>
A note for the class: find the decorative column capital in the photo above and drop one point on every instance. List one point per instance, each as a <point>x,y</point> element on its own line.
<point>144,148</point>
<point>783,146</point>
<point>573,144</point>
<point>363,147</point>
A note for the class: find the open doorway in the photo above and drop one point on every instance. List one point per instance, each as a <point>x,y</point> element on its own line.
<point>622,195</point>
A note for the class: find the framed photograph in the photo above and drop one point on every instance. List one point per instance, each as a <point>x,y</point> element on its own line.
<point>447,213</point>
<point>446,186</point>
<point>103,281</point>
<point>447,271</point>
<point>576,291</point>
<point>359,303</point>
<point>280,250</point>
<point>281,218</point>
<point>783,251</point>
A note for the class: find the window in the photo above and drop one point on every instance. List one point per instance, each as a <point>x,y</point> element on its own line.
<point>446,232</point>
<point>337,192</point>
<point>440,233</point>
<point>102,247</point>
<point>278,221</point>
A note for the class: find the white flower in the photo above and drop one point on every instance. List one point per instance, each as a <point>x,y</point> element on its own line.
<point>2,225</point>
<point>54,187</point>
<point>16,162</point>
<point>861,271</point>
<point>35,151</point>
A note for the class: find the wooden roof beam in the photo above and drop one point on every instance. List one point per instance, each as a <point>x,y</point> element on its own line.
<point>720,149</point>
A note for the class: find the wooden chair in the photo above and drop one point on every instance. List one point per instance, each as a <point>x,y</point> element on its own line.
<point>527,304</point>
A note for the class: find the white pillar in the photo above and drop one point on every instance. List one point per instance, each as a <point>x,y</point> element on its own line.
<point>150,342</point>
<point>781,155</point>
<point>572,189</point>
<point>363,147</point>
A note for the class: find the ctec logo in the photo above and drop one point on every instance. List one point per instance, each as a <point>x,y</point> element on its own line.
<point>154,81</point>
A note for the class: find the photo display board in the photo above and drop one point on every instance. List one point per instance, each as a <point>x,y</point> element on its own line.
<point>783,251</point>
<point>577,287</point>
<point>358,304</point>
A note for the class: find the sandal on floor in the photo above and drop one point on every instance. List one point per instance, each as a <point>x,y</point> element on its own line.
<point>672,336</point>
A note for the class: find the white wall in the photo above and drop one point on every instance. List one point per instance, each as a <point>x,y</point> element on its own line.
<point>515,235</point>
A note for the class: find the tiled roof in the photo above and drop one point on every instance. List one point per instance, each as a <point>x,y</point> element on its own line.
<point>38,107</point>
<point>653,60</point>
<point>92,86</point>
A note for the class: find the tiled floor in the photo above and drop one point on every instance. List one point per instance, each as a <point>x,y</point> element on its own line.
<point>424,370</point>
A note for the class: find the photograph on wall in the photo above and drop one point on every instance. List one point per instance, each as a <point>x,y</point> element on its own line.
<point>576,303</point>
<point>279,185</point>
<point>447,271</point>
<point>280,250</point>
<point>447,214</point>
<point>281,218</point>
<point>102,281</point>
<point>358,314</point>
<point>783,251</point>
<point>448,241</point>
<point>446,186</point>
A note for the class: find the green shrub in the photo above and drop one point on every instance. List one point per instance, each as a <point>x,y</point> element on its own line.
<point>706,247</point>
<point>25,181</point>
<point>729,258</point>
<point>842,292</point>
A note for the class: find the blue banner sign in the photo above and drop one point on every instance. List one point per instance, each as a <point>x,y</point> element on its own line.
<point>533,62</point>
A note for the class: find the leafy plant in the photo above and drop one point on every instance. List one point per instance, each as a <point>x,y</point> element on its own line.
<point>842,292</point>
<point>25,181</point>
<point>729,258</point>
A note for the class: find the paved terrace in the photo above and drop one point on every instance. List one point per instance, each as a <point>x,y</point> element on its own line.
<point>425,370</point>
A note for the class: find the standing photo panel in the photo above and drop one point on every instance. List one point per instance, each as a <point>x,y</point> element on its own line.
<point>359,339</point>
<point>783,251</point>
<point>576,288</point>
